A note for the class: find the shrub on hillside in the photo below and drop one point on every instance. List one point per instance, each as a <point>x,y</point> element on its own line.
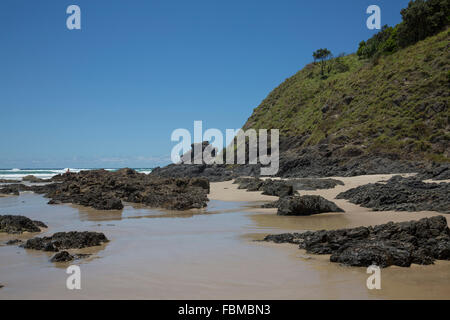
<point>421,19</point>
<point>384,41</point>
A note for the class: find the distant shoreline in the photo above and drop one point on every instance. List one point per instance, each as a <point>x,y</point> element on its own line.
<point>47,173</point>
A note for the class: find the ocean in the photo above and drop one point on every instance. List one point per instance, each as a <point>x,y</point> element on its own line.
<point>47,173</point>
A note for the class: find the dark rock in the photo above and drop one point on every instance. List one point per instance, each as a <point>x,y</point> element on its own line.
<point>251,184</point>
<point>348,99</point>
<point>271,205</point>
<point>276,188</point>
<point>436,171</point>
<point>33,179</point>
<point>305,206</point>
<point>62,256</point>
<point>13,242</point>
<point>331,157</point>
<point>65,256</point>
<point>105,190</point>
<point>325,108</point>
<point>10,190</point>
<point>381,253</point>
<point>213,173</point>
<point>40,224</point>
<point>14,189</point>
<point>19,224</point>
<point>283,188</point>
<point>190,156</point>
<point>294,238</point>
<point>313,184</point>
<point>66,240</point>
<point>9,181</point>
<point>399,244</point>
<point>401,194</point>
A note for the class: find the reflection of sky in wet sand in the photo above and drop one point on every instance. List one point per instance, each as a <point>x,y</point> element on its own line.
<point>200,254</point>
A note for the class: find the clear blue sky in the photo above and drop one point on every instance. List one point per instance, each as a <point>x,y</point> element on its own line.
<point>111,94</point>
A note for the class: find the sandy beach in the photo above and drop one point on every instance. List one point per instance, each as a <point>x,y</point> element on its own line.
<point>206,254</point>
<point>354,215</point>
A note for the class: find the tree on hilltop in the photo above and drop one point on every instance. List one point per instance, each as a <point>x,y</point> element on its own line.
<point>323,55</point>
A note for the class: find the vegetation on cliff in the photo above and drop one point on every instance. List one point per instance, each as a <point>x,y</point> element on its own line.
<point>397,103</point>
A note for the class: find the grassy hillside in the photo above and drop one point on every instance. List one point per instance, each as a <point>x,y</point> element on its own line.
<point>396,103</point>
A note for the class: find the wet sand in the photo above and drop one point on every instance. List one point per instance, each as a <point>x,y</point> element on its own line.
<point>205,254</point>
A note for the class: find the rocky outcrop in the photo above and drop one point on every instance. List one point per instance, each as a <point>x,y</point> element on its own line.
<point>13,242</point>
<point>191,157</point>
<point>8,181</point>
<point>299,161</point>
<point>14,189</point>
<point>65,256</point>
<point>105,190</point>
<point>66,240</point>
<point>268,187</point>
<point>213,173</point>
<point>336,159</point>
<point>401,194</point>
<point>33,179</point>
<point>19,224</point>
<point>399,244</point>
<point>435,171</point>
<point>256,184</point>
<point>290,204</point>
<point>10,190</point>
<point>305,206</point>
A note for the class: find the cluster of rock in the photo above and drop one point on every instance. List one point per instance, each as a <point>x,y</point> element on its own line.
<point>33,179</point>
<point>435,171</point>
<point>401,194</point>
<point>337,159</point>
<point>65,256</point>
<point>303,206</point>
<point>280,187</point>
<point>29,178</point>
<point>13,189</point>
<point>18,224</point>
<point>9,181</point>
<point>297,161</point>
<point>213,173</point>
<point>400,244</point>
<point>105,190</point>
<point>66,240</point>
<point>268,187</point>
<point>58,241</point>
<point>289,203</point>
<point>191,165</point>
